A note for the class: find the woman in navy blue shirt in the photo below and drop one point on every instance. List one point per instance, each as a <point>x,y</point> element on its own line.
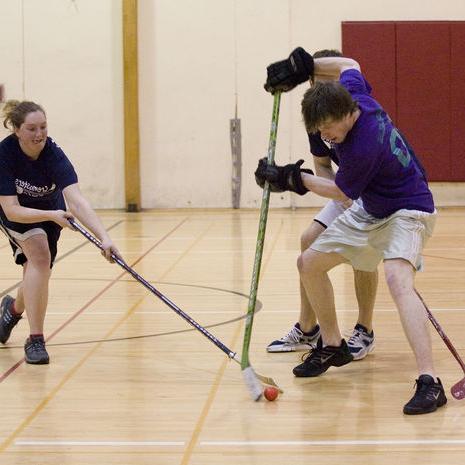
<point>36,178</point>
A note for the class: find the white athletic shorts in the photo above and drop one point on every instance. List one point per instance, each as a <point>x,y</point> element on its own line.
<point>329,212</point>
<point>365,240</point>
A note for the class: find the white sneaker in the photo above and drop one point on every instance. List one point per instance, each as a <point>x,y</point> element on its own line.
<point>295,340</point>
<point>361,343</point>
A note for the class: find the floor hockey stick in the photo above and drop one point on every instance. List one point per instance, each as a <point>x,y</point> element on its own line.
<point>458,389</point>
<point>250,377</point>
<point>232,355</point>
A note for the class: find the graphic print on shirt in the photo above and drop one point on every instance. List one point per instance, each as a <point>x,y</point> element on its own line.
<point>381,126</point>
<point>399,149</point>
<point>398,146</point>
<point>25,188</point>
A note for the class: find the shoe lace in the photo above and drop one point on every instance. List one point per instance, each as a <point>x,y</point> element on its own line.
<point>428,390</point>
<point>37,344</point>
<point>293,335</point>
<point>306,355</point>
<point>355,336</point>
<point>314,356</point>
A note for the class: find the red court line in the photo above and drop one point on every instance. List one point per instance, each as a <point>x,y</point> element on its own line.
<point>10,370</point>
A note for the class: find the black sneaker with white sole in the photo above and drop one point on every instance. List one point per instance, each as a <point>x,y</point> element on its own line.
<point>429,395</point>
<point>319,359</point>
<point>35,351</point>
<point>8,319</point>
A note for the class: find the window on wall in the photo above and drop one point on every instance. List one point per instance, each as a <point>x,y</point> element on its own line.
<point>417,71</point>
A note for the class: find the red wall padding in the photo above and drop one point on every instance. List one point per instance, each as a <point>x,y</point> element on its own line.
<point>417,70</point>
<point>373,45</point>
<point>423,71</point>
<point>457,101</point>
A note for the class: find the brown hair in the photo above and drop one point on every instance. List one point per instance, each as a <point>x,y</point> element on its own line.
<point>327,53</point>
<point>326,101</point>
<point>15,112</point>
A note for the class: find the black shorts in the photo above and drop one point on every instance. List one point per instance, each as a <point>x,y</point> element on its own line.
<point>21,231</point>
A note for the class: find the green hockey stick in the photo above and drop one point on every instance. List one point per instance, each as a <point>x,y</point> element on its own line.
<point>252,380</point>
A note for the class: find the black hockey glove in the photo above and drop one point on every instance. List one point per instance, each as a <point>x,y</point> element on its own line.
<point>286,74</point>
<point>281,178</point>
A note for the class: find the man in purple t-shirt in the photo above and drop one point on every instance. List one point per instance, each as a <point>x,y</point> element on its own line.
<point>397,216</point>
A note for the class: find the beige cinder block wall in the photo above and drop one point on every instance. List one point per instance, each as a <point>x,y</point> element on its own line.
<point>66,55</point>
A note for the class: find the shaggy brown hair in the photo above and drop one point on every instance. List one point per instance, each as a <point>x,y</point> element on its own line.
<point>326,101</point>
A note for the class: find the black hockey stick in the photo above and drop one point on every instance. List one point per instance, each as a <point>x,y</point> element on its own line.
<point>232,355</point>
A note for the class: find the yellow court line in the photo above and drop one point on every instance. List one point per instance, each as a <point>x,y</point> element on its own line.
<point>8,441</point>
<point>26,422</point>
<point>208,403</point>
<point>216,383</point>
<point>196,241</point>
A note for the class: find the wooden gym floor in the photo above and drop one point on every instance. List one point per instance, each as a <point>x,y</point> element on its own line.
<point>131,383</point>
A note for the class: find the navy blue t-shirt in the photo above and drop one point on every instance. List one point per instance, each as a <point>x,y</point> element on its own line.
<point>319,148</point>
<point>37,183</point>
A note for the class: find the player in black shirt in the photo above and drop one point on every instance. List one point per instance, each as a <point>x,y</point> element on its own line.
<point>36,178</point>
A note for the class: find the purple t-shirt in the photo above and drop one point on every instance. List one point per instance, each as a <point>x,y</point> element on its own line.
<point>375,162</point>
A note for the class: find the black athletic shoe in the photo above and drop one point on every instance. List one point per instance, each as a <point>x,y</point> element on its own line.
<point>428,396</point>
<point>318,360</point>
<point>35,351</point>
<point>8,320</point>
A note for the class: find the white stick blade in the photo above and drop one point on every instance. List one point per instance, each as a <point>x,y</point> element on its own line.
<point>269,381</point>
<point>253,384</point>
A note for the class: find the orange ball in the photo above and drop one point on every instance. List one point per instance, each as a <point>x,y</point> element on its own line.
<point>271,393</point>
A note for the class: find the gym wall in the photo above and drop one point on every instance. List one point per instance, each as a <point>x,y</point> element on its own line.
<point>197,57</point>
<point>424,92</point>
<point>66,56</point>
<point>199,60</point>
